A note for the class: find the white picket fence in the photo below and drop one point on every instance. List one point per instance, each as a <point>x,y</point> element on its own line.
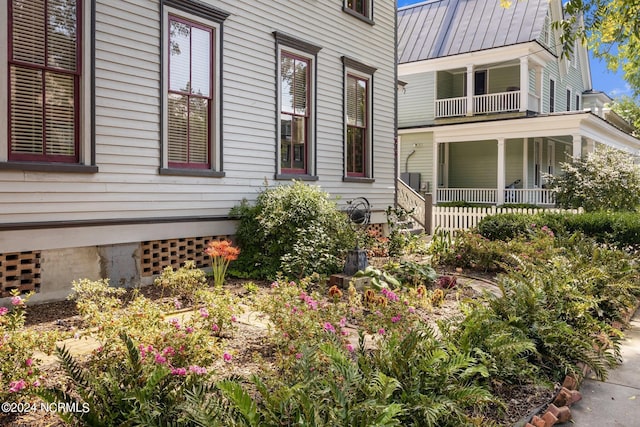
<point>450,218</point>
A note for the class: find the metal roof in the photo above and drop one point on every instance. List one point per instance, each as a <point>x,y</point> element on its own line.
<point>440,28</point>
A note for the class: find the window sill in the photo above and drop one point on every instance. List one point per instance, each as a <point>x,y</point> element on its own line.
<point>358,16</point>
<point>293,176</point>
<point>49,167</point>
<point>360,179</point>
<point>191,172</point>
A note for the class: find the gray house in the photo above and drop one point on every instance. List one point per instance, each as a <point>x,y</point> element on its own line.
<point>129,128</point>
<point>490,105</point>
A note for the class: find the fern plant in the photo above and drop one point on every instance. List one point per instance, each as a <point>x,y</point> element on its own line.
<point>130,393</point>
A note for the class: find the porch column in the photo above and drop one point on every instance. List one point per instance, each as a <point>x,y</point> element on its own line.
<point>470,89</point>
<point>591,145</point>
<point>501,172</point>
<point>539,76</point>
<point>525,162</point>
<point>524,84</point>
<point>435,171</point>
<point>577,146</point>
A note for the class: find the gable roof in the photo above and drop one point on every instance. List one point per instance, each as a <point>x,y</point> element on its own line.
<point>438,28</point>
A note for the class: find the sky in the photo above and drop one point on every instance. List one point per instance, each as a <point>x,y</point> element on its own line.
<point>604,80</point>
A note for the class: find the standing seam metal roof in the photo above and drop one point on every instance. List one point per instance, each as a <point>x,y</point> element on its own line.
<point>440,28</point>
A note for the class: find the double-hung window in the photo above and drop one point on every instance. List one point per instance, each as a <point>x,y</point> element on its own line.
<point>358,94</point>
<point>296,107</point>
<point>191,107</point>
<point>361,9</point>
<point>44,80</point>
<point>552,95</point>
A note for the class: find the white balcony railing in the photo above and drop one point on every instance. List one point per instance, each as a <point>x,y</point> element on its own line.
<point>451,107</point>
<point>482,104</point>
<point>532,196</point>
<point>471,195</point>
<point>497,102</point>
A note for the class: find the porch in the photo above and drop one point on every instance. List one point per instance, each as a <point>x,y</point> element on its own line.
<point>490,196</point>
<point>514,86</point>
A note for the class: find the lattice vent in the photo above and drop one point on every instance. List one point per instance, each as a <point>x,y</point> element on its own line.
<point>19,270</point>
<point>157,254</point>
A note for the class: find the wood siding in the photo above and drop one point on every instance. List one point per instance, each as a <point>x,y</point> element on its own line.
<point>128,110</point>
<point>421,161</point>
<point>416,102</point>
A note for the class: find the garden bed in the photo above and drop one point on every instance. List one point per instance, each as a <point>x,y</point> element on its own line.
<point>253,350</point>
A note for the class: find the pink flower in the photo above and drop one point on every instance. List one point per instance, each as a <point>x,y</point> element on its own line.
<point>274,285</point>
<point>204,312</point>
<point>227,357</point>
<point>197,370</point>
<point>350,348</point>
<point>178,371</point>
<point>343,322</point>
<point>168,351</point>
<point>396,319</point>
<point>175,322</point>
<point>28,362</point>
<point>381,331</point>
<point>177,304</point>
<point>329,327</point>
<point>215,327</point>
<point>3,311</point>
<point>411,310</point>
<point>298,356</point>
<point>160,360</point>
<point>233,319</point>
<point>188,329</point>
<point>16,301</point>
<point>36,383</point>
<point>16,386</point>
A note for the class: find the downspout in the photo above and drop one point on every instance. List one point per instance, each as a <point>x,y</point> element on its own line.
<point>395,106</point>
<point>406,162</point>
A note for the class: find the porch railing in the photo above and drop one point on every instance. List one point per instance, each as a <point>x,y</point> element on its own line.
<point>533,196</point>
<point>409,200</point>
<point>490,103</point>
<point>497,102</point>
<point>471,195</point>
<point>451,107</point>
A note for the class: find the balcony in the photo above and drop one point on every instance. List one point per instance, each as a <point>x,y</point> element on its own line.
<point>501,102</point>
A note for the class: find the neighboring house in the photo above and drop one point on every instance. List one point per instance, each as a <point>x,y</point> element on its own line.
<point>130,128</point>
<point>490,105</point>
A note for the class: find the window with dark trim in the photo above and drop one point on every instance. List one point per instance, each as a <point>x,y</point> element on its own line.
<point>552,96</point>
<point>577,102</point>
<point>361,9</point>
<point>358,105</point>
<point>357,125</point>
<point>294,113</point>
<point>568,99</point>
<point>190,94</point>
<point>44,70</point>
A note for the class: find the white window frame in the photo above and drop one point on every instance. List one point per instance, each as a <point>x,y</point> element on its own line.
<point>356,69</point>
<point>85,119</point>
<point>215,119</point>
<point>311,122</point>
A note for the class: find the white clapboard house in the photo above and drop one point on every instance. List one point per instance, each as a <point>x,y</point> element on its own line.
<point>130,128</point>
<point>490,105</point>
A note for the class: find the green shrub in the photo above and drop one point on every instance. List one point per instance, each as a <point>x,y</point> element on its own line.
<point>505,226</point>
<point>183,282</point>
<point>606,179</point>
<point>293,228</point>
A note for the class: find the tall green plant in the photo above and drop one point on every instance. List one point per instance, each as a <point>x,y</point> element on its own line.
<point>296,229</point>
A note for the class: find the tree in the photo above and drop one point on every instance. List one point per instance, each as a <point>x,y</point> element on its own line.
<point>611,29</point>
<point>629,109</point>
<point>607,179</point>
